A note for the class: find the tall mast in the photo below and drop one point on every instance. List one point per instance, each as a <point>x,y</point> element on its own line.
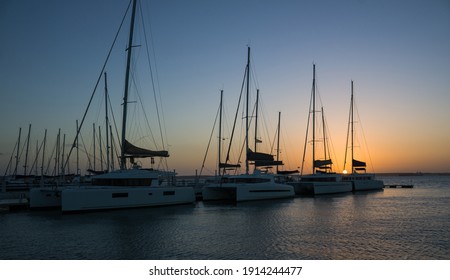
<point>93,138</point>
<point>278,139</point>
<point>26,153</point>
<point>125,96</point>
<point>43,154</point>
<point>78,153</point>
<point>351,112</point>
<point>100,147</point>
<point>17,153</point>
<point>246,111</point>
<point>63,172</point>
<point>324,135</point>
<point>256,119</point>
<point>220,129</point>
<point>112,148</point>
<point>314,118</point>
<point>107,123</point>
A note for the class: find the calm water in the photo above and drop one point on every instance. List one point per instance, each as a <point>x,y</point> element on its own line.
<point>390,224</point>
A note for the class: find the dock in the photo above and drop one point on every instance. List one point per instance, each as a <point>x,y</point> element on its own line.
<point>399,186</point>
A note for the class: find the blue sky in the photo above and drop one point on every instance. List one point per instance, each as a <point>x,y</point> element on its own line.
<point>396,52</point>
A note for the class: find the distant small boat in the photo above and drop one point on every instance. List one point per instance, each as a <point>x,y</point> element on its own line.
<point>360,180</point>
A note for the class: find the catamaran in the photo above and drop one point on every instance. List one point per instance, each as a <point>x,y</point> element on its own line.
<point>361,181</point>
<point>249,186</point>
<point>321,180</point>
<point>128,187</point>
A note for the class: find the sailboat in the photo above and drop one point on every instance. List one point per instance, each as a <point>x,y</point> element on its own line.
<point>361,181</point>
<point>128,187</point>
<point>321,180</point>
<point>248,187</point>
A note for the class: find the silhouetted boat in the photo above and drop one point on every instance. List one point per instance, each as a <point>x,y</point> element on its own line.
<point>247,187</point>
<point>128,187</point>
<point>361,181</point>
<point>321,180</point>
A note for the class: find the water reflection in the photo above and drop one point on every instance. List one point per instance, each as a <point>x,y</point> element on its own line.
<point>390,224</point>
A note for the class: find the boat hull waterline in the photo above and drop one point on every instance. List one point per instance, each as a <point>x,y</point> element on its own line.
<point>106,198</point>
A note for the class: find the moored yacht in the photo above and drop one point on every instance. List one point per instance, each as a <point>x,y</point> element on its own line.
<point>322,180</point>
<point>247,187</point>
<point>327,183</point>
<point>363,181</point>
<point>128,187</point>
<point>360,180</point>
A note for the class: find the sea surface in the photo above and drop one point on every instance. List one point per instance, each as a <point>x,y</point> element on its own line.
<point>383,225</point>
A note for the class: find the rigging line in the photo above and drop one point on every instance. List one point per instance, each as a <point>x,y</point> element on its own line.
<point>35,161</point>
<point>209,142</point>
<point>88,156</point>
<point>348,132</point>
<point>97,83</point>
<point>236,115</point>
<point>306,136</point>
<point>144,111</point>
<point>266,123</point>
<point>152,77</point>
<point>254,76</point>
<point>364,137</point>
<point>10,160</point>
<point>329,142</point>
<point>113,117</point>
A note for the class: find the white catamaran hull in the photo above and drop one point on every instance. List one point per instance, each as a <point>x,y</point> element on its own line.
<point>45,197</point>
<point>105,198</point>
<point>367,185</point>
<point>247,192</point>
<point>317,188</point>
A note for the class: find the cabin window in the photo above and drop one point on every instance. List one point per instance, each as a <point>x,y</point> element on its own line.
<point>117,195</point>
<point>169,193</point>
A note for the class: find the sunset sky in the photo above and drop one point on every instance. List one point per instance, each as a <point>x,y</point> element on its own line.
<point>396,52</point>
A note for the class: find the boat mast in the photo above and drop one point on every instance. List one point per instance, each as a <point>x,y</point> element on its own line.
<point>43,155</point>
<point>351,112</point>
<point>256,119</point>
<point>125,96</point>
<point>246,112</point>
<point>220,129</point>
<point>93,138</point>
<point>100,147</point>
<point>26,153</point>
<point>78,152</point>
<point>314,118</point>
<point>324,135</point>
<point>278,140</point>
<point>17,152</point>
<point>107,123</point>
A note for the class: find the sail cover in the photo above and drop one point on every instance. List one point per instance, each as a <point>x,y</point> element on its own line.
<point>255,156</point>
<point>268,162</point>
<point>133,151</point>
<point>229,165</point>
<point>321,163</point>
<point>357,163</point>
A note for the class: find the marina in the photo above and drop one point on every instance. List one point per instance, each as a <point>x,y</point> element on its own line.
<point>11,199</point>
<point>391,224</point>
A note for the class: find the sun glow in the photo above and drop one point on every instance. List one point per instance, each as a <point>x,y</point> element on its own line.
<point>345,171</point>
